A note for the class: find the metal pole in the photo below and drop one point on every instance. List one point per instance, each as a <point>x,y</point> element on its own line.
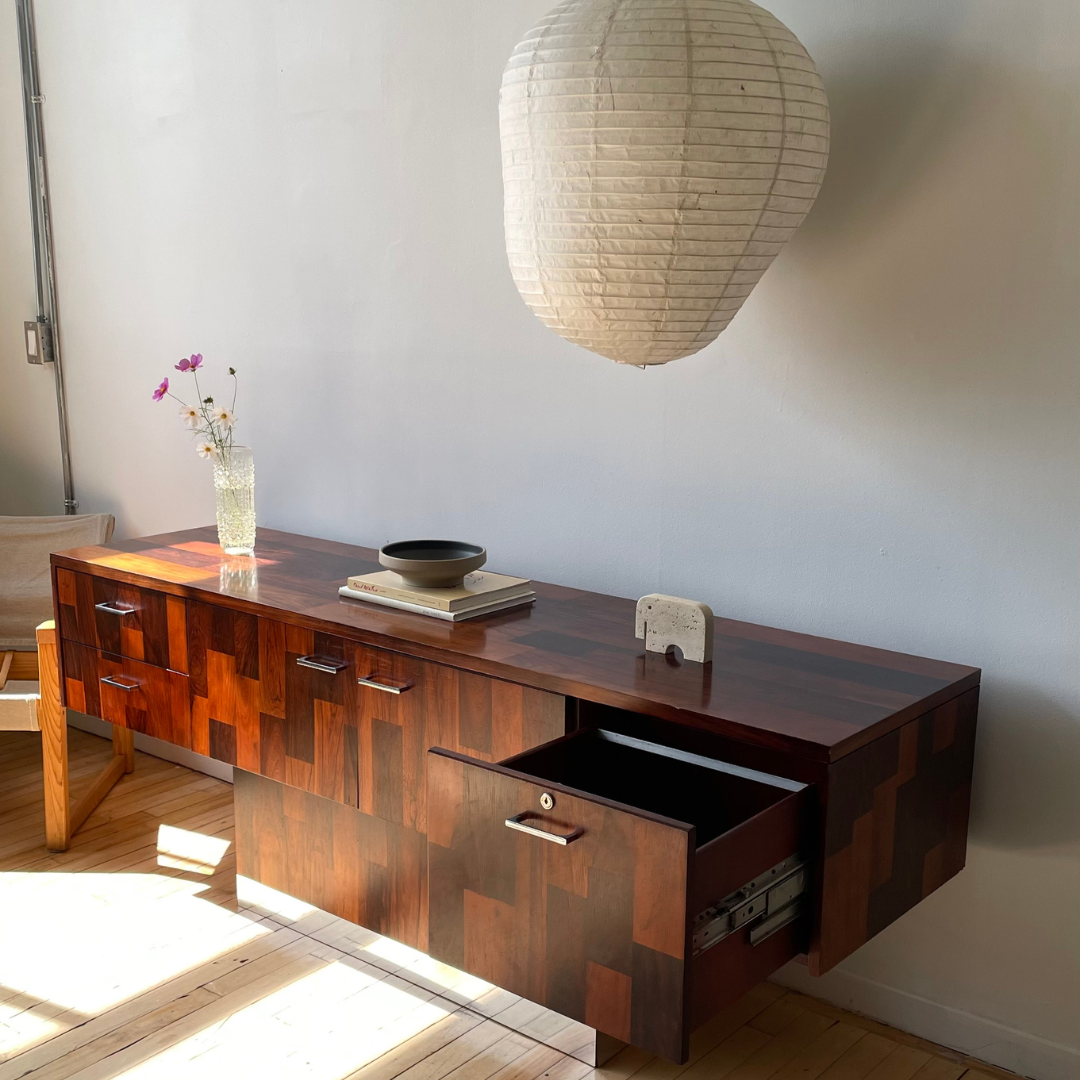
<point>48,314</point>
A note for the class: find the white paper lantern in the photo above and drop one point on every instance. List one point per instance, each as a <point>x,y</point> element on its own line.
<point>657,154</point>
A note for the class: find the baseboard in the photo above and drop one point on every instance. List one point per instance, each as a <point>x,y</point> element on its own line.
<point>986,1040</point>
<point>188,758</point>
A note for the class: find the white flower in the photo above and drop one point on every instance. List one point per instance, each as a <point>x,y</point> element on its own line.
<point>206,450</point>
<point>224,417</point>
<point>189,415</point>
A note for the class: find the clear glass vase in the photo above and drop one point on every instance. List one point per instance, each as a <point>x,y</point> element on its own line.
<point>234,486</point>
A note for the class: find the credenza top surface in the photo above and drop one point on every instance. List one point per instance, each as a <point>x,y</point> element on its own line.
<point>813,696</point>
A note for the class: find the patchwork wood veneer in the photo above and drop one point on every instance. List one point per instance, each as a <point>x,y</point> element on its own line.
<point>382,756</point>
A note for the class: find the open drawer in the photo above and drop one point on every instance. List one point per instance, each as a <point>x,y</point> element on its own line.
<point>630,886</point>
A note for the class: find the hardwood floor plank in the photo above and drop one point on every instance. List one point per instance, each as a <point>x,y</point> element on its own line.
<point>219,969</point>
<point>449,1058</point>
<point>902,1064</point>
<point>714,1032</point>
<point>941,1069</point>
<point>335,994</point>
<point>408,1053</point>
<point>779,1015</point>
<point>904,1038</point>
<point>219,1009</point>
<point>733,1053</point>
<point>823,1052</point>
<point>861,1058</point>
<point>511,1048</point>
<point>781,1048</point>
<point>124,1036</point>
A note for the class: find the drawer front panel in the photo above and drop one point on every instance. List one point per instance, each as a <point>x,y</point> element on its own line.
<point>259,704</point>
<point>373,869</point>
<point>356,866</point>
<point>595,929</point>
<point>255,705</point>
<point>413,707</point>
<point>123,620</point>
<point>138,696</point>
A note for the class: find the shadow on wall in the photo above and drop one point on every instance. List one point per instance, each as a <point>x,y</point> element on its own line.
<point>1027,761</point>
<point>891,119</point>
<point>944,235</point>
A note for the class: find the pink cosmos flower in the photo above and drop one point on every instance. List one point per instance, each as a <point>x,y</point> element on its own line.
<point>191,365</point>
<point>162,390</point>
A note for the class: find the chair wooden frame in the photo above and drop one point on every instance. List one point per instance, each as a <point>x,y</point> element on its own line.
<point>62,818</point>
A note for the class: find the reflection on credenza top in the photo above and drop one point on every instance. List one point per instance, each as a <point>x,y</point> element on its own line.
<point>816,697</point>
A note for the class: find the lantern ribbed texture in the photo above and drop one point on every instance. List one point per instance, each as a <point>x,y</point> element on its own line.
<point>657,154</point>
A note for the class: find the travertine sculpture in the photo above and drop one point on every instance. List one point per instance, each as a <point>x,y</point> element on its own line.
<point>664,621</point>
<point>657,154</point>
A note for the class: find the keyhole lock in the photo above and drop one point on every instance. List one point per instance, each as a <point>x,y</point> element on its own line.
<point>546,801</point>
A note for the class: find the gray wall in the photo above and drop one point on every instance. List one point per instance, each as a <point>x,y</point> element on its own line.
<point>882,447</point>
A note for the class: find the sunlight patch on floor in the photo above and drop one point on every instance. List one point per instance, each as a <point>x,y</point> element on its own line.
<point>267,901</point>
<point>181,849</point>
<point>22,1028</point>
<point>323,1026</point>
<point>383,952</point>
<point>443,979</point>
<point>85,941</point>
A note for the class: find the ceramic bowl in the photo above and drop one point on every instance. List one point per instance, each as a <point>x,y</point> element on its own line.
<point>432,564</point>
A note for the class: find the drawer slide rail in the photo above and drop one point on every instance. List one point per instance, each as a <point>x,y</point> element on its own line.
<point>764,905</point>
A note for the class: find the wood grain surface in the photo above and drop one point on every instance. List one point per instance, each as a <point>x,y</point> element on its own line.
<point>820,698</point>
<point>52,720</point>
<point>158,704</point>
<point>895,827</point>
<point>367,861</point>
<point>595,930</point>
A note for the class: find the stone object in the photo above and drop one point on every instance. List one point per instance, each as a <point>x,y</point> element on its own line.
<point>664,621</point>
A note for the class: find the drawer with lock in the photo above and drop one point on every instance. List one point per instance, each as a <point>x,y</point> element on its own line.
<point>699,826</point>
<point>631,886</point>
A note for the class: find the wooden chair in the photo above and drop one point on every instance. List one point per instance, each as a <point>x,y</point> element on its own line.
<point>29,671</point>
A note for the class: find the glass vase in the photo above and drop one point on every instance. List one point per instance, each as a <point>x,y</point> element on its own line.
<point>234,487</point>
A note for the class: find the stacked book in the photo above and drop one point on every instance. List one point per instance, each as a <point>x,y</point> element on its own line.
<point>481,593</point>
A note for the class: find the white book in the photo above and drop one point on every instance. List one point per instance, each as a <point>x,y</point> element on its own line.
<point>435,613</point>
<point>479,588</point>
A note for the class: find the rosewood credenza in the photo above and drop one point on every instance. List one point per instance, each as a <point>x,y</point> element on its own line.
<point>628,840</point>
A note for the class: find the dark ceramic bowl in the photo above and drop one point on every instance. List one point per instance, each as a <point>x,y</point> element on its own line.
<point>432,564</point>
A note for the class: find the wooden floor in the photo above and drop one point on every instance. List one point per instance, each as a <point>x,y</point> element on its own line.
<point>133,955</point>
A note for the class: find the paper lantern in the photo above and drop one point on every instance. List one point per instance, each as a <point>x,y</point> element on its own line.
<point>657,155</point>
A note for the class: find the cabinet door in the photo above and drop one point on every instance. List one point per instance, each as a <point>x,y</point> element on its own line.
<point>122,619</point>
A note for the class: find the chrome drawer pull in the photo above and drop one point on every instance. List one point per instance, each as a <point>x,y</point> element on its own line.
<point>518,822</point>
<point>326,664</point>
<point>388,688</point>
<point>112,609</point>
<point>112,680</point>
